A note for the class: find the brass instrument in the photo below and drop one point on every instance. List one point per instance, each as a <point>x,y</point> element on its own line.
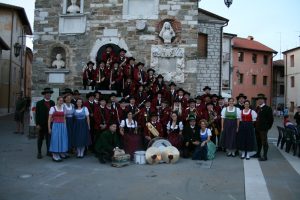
<point>152,129</point>
<point>110,78</point>
<point>109,61</point>
<point>123,63</point>
<point>99,76</point>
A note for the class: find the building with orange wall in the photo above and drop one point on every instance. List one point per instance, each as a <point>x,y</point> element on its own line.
<point>252,68</point>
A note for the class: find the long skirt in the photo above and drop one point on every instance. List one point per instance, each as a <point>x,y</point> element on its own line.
<point>228,137</point>
<point>176,140</point>
<point>246,137</point>
<point>81,133</point>
<point>132,143</point>
<point>59,138</point>
<point>70,124</point>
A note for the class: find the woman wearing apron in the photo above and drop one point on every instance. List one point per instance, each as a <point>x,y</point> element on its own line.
<point>229,127</point>
<point>131,139</point>
<point>58,131</point>
<point>174,130</point>
<point>201,141</point>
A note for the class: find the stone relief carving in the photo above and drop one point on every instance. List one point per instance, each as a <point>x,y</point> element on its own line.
<point>168,61</point>
<point>73,8</point>
<point>58,63</point>
<point>167,33</point>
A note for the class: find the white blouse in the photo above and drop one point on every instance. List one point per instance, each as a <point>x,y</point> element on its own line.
<point>133,124</point>
<point>253,114</point>
<point>52,110</point>
<point>238,112</point>
<point>180,126</point>
<point>86,111</point>
<point>206,130</point>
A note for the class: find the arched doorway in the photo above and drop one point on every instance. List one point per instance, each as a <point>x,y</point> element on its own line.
<point>115,49</point>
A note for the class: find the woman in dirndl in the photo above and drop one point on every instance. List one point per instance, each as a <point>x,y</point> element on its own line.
<point>132,141</point>
<point>58,130</point>
<point>81,128</point>
<point>69,112</point>
<point>201,140</point>
<point>246,135</point>
<point>174,130</point>
<point>229,127</point>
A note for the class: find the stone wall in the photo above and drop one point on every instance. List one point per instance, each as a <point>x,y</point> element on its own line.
<point>105,24</point>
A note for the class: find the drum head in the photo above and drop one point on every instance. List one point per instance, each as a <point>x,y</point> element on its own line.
<point>153,155</point>
<point>159,143</point>
<point>170,154</point>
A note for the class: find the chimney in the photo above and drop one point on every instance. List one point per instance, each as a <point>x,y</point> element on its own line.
<point>250,38</point>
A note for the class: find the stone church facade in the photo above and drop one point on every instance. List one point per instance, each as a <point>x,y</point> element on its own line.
<point>79,30</point>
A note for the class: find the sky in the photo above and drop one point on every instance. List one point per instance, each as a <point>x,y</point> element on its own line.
<point>274,23</point>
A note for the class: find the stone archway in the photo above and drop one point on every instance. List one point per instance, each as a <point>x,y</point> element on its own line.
<point>115,49</point>
<point>99,43</point>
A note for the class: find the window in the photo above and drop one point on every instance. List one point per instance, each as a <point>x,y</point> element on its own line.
<point>281,74</point>
<point>254,58</point>
<point>292,81</point>
<point>266,58</point>
<point>254,79</point>
<point>265,80</point>
<point>241,56</point>
<point>292,108</point>
<point>292,62</point>
<point>202,45</point>
<point>281,90</point>
<point>241,78</point>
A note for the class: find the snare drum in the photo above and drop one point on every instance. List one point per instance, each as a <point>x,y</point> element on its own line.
<point>139,157</point>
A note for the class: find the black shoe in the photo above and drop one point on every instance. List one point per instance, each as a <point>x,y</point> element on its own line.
<point>39,156</point>
<point>243,157</point>
<point>101,160</point>
<point>247,158</point>
<point>263,159</point>
<point>255,156</point>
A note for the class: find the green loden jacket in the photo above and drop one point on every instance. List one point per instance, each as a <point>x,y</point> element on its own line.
<point>107,141</point>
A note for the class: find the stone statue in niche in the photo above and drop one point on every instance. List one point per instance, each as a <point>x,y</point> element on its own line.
<point>73,8</point>
<point>58,63</point>
<point>167,33</point>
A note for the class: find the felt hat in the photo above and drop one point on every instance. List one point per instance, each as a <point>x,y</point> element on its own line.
<point>160,76</point>
<point>47,91</point>
<point>206,88</point>
<point>90,94</point>
<point>241,95</point>
<point>122,50</point>
<point>150,69</point>
<point>90,62</point>
<point>261,96</point>
<point>172,83</point>
<point>67,91</point>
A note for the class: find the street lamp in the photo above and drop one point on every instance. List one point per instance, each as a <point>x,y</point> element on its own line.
<point>228,3</point>
<point>17,49</point>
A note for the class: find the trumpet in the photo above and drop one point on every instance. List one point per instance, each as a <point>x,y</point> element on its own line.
<point>123,63</point>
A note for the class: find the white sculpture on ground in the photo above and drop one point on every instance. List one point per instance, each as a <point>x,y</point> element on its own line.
<point>58,63</point>
<point>167,33</point>
<point>73,8</point>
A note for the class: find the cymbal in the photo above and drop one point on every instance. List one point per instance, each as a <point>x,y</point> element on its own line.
<point>170,154</point>
<point>153,155</point>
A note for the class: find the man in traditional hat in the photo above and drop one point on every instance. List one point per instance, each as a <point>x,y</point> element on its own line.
<point>157,125</point>
<point>181,99</point>
<point>140,95</point>
<point>89,75</point>
<point>106,143</point>
<point>122,59</point>
<point>101,80</point>
<point>150,78</point>
<point>41,116</point>
<point>190,110</point>
<point>90,104</point>
<point>129,68</point>
<point>139,75</point>
<point>144,114</point>
<point>240,101</point>
<point>129,88</point>
<point>159,85</point>
<point>108,56</point>
<point>264,122</point>
<point>76,95</point>
<point>132,107</point>
<point>188,133</point>
<point>171,93</point>
<point>206,91</point>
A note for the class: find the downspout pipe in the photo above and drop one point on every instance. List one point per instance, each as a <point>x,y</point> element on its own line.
<point>221,57</point>
<point>10,61</point>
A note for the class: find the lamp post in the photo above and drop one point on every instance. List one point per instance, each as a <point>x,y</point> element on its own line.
<point>17,49</point>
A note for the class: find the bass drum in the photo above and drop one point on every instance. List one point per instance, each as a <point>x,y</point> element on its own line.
<point>159,143</point>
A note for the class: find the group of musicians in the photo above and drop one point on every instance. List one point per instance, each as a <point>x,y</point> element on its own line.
<point>148,108</point>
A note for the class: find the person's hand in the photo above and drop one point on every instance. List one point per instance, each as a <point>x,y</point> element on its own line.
<point>50,131</point>
<point>237,129</point>
<point>187,144</point>
<point>202,144</point>
<point>38,127</point>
